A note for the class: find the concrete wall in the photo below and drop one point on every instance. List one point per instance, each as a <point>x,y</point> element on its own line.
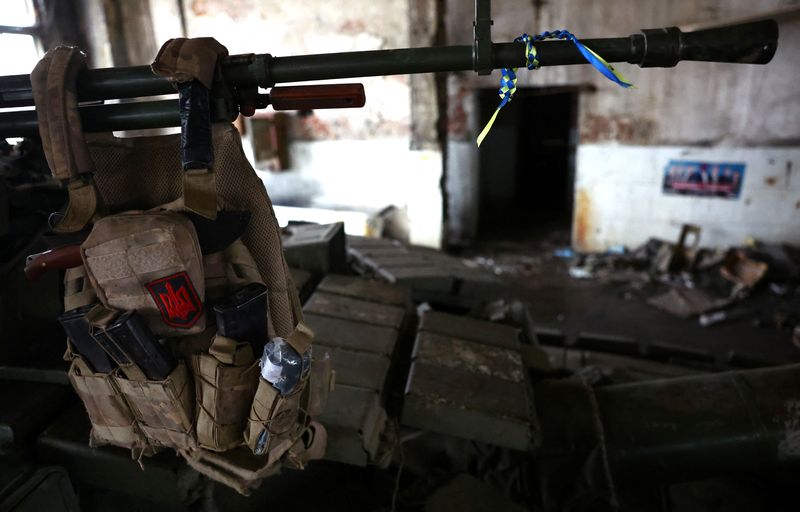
<point>619,198</point>
<point>356,159</point>
<point>361,159</point>
<point>749,111</point>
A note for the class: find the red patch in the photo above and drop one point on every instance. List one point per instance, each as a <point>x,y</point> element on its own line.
<point>176,300</point>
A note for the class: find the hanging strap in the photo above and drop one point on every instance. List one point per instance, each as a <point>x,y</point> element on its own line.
<point>508,77</point>
<point>190,64</point>
<point>301,338</point>
<point>54,86</point>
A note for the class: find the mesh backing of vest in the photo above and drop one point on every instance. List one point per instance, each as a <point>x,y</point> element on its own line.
<point>144,172</point>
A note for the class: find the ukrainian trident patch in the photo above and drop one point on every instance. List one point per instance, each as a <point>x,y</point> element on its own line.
<point>177,300</point>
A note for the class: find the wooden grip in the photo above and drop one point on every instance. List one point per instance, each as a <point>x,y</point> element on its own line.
<point>61,258</point>
<point>310,97</point>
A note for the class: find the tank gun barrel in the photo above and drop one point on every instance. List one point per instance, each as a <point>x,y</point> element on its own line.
<point>748,43</point>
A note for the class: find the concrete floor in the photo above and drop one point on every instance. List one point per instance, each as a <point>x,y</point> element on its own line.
<point>576,307</point>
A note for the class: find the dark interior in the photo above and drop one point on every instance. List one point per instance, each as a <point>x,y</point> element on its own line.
<point>527,165</point>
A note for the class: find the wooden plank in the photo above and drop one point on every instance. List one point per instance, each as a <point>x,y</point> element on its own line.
<point>460,404</point>
<point>360,288</point>
<point>338,306</point>
<point>468,356</point>
<point>338,332</point>
<point>470,329</point>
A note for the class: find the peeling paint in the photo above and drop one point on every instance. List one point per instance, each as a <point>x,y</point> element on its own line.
<point>623,129</point>
<point>199,7</point>
<point>352,26</point>
<point>624,186</point>
<point>583,219</point>
<point>312,128</point>
<point>457,111</point>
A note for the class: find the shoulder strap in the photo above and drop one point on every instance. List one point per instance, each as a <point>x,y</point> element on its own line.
<point>53,82</point>
<point>191,64</point>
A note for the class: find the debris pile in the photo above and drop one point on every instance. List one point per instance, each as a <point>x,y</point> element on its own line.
<point>712,285</point>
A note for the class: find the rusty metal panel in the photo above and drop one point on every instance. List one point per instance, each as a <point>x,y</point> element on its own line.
<point>373,291</point>
<point>339,306</point>
<point>470,329</point>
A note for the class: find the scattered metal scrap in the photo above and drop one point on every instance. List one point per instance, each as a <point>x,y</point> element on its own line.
<point>688,281</point>
<point>687,302</point>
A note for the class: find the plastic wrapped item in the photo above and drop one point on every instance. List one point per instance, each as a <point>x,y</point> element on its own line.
<point>282,366</point>
<point>261,444</point>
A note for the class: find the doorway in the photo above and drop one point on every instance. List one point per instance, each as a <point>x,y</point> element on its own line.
<point>527,164</point>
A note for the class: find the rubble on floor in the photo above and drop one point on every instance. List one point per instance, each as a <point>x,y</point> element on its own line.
<point>689,281</point>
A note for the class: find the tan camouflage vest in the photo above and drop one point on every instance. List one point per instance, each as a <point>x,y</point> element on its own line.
<point>214,406</point>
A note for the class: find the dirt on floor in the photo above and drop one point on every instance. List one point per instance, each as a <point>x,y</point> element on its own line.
<point>541,271</point>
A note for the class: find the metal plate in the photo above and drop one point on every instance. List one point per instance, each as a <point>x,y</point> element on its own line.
<point>373,291</point>
<point>467,405</point>
<point>470,329</point>
<point>339,306</point>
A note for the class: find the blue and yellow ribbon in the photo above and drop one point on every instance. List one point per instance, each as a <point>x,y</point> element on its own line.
<point>508,78</point>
